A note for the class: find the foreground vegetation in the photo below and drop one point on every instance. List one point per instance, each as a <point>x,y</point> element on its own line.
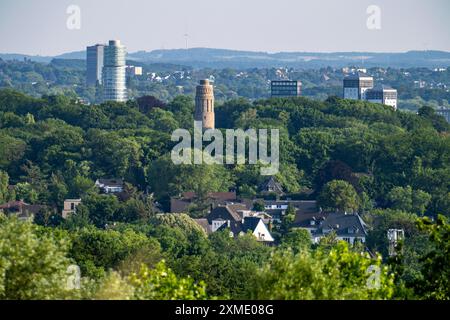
<point>35,260</point>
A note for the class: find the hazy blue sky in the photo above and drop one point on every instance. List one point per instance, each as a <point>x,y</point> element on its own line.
<point>39,27</point>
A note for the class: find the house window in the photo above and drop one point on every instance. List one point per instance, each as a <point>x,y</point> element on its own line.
<point>72,206</point>
<point>347,239</point>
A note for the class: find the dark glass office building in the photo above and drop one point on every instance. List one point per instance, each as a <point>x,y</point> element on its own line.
<point>286,88</point>
<point>94,64</point>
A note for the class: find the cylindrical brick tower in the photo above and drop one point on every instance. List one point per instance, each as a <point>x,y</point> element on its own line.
<point>204,104</point>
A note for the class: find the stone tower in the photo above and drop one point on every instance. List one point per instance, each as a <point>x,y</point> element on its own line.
<point>204,104</point>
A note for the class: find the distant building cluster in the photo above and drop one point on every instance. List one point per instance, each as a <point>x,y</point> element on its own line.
<point>285,88</point>
<point>360,86</point>
<point>106,66</point>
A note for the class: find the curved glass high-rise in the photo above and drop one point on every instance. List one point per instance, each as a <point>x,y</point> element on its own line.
<point>114,79</point>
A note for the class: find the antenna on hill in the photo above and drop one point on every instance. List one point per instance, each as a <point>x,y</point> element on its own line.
<point>186,37</point>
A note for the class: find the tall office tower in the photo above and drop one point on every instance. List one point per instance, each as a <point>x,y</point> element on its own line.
<point>94,64</point>
<point>356,85</point>
<point>204,104</point>
<point>285,88</point>
<point>114,72</point>
<point>383,94</point>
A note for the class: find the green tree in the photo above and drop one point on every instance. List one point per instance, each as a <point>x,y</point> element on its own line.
<point>339,273</point>
<point>31,266</point>
<point>101,207</point>
<point>161,283</point>
<point>5,194</point>
<point>24,191</point>
<point>96,251</point>
<point>339,195</point>
<point>57,191</point>
<point>288,219</point>
<point>297,239</point>
<point>409,200</point>
<point>12,150</point>
<point>435,270</point>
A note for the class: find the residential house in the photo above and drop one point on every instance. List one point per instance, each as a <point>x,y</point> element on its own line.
<point>21,209</point>
<point>238,219</point>
<point>347,227</point>
<point>110,185</point>
<point>70,206</point>
<point>258,228</point>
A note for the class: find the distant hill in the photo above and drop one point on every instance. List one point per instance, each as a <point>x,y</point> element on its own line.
<point>222,58</point>
<point>72,55</point>
<point>21,57</point>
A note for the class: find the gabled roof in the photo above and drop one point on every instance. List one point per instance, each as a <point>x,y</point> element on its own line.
<point>271,183</point>
<point>179,205</point>
<point>234,226</point>
<point>250,223</point>
<point>344,224</point>
<point>204,224</point>
<point>227,212</point>
<point>303,220</point>
<point>234,208</point>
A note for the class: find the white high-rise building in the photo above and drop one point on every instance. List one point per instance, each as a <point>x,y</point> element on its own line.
<point>114,72</point>
<point>356,85</point>
<point>383,94</point>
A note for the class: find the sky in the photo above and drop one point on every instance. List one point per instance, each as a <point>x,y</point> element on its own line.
<point>41,27</point>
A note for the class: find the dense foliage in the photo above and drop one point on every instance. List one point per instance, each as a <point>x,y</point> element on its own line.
<point>393,167</point>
